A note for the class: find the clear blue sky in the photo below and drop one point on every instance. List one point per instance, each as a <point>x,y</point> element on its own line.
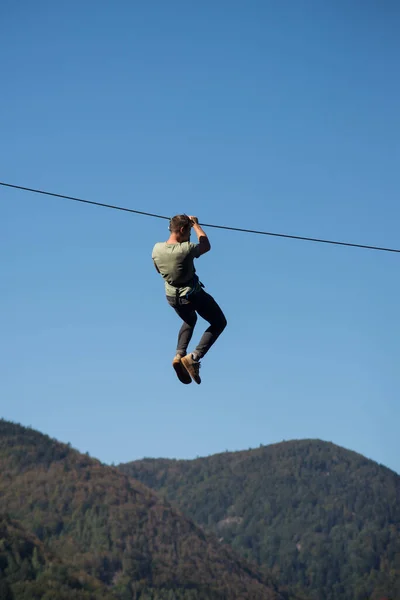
<point>271,115</point>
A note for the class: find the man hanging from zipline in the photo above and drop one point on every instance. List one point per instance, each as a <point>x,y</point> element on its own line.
<point>173,259</point>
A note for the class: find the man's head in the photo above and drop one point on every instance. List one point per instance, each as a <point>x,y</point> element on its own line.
<point>180,226</point>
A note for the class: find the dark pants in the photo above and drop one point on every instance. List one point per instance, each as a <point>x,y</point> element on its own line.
<point>205,305</point>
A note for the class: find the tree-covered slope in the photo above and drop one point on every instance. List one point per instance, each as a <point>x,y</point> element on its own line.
<point>102,522</point>
<point>28,571</point>
<point>322,518</point>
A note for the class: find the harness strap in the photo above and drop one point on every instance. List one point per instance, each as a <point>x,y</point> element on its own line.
<point>193,283</point>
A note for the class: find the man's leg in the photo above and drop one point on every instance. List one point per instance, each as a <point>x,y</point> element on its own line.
<point>210,311</point>
<point>188,315</point>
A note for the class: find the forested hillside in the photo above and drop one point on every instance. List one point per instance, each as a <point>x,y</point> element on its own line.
<point>322,518</point>
<point>99,522</point>
<point>27,570</point>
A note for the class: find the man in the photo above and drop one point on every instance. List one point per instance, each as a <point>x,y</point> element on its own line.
<point>173,259</point>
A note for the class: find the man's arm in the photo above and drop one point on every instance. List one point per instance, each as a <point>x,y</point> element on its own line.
<point>204,242</point>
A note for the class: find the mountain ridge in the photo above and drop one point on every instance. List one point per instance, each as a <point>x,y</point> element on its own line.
<point>260,446</point>
<point>301,508</point>
<point>115,529</point>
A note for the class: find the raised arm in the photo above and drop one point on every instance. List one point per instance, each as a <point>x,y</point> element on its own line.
<point>204,242</point>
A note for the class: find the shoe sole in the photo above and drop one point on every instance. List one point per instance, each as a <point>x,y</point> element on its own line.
<point>182,374</point>
<point>187,367</point>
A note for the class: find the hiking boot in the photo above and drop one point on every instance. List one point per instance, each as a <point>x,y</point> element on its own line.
<point>181,372</point>
<point>192,366</point>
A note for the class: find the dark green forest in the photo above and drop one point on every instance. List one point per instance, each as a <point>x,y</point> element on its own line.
<point>74,528</point>
<point>319,517</point>
<point>27,570</point>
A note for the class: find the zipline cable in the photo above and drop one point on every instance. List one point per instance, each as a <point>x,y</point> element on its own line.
<point>26,189</point>
<point>226,227</point>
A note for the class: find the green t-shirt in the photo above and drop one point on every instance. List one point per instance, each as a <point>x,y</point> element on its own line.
<point>175,264</point>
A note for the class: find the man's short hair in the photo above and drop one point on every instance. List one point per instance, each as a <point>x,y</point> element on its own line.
<point>178,222</point>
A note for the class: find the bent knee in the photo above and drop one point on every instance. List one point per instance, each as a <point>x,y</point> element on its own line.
<point>191,320</point>
<point>223,323</point>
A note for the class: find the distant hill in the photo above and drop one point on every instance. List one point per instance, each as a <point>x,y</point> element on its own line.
<point>102,523</point>
<point>322,518</point>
